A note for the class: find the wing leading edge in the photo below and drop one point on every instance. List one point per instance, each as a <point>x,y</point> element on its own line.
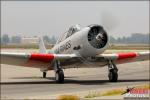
<point>36,60</point>
<point>120,58</point>
<point>44,60</point>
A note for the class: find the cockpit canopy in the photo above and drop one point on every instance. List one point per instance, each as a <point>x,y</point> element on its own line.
<point>70,32</point>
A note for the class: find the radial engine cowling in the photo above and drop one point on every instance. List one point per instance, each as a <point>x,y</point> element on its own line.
<point>97,37</point>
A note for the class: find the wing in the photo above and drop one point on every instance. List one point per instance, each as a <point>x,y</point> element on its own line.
<point>32,59</point>
<point>120,58</point>
<point>67,60</point>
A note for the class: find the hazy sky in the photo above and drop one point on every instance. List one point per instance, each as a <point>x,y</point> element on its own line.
<point>119,18</point>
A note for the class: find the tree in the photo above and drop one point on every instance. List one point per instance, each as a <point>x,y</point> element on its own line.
<point>5,39</point>
<point>0,39</point>
<point>46,39</point>
<point>53,40</point>
<point>112,39</point>
<point>15,39</point>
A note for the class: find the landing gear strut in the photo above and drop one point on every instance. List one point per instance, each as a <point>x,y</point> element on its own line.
<point>44,74</point>
<point>113,72</point>
<point>59,74</point>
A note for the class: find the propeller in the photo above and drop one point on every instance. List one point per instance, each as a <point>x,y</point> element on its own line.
<point>97,35</point>
<point>109,21</point>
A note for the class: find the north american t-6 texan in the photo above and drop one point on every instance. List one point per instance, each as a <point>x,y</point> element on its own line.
<point>78,47</point>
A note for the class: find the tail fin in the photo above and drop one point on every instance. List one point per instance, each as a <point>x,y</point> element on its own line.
<point>42,48</point>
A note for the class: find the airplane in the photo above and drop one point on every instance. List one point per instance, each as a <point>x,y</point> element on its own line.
<point>78,47</point>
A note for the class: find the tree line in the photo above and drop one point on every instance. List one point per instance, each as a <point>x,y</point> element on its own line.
<point>6,39</point>
<point>135,38</point>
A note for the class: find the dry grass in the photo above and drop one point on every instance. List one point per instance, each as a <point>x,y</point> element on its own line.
<point>112,47</point>
<point>68,97</point>
<point>25,46</point>
<point>114,91</point>
<point>107,93</point>
<point>146,86</point>
<point>129,47</point>
<point>93,94</point>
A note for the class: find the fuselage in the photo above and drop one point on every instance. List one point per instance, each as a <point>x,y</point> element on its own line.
<point>80,43</point>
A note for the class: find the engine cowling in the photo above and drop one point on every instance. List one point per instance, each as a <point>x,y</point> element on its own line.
<point>89,41</point>
<point>94,40</point>
<point>97,36</point>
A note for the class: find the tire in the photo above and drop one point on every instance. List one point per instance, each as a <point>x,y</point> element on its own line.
<point>44,74</point>
<point>113,76</point>
<point>59,76</point>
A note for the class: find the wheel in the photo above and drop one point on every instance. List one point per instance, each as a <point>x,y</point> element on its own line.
<point>59,76</point>
<point>44,74</point>
<point>113,75</point>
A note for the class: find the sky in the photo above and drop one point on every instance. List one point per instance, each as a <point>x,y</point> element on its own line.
<point>37,18</point>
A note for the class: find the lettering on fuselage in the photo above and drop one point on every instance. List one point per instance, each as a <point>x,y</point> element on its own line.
<point>63,47</point>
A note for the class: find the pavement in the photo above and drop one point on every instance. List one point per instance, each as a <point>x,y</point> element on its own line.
<point>27,83</point>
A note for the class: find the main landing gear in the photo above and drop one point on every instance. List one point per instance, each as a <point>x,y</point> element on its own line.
<point>44,74</point>
<point>113,72</point>
<point>59,74</point>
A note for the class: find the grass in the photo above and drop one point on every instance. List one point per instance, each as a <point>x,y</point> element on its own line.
<point>68,97</point>
<point>113,91</point>
<point>146,86</point>
<point>107,93</point>
<point>129,47</point>
<point>93,94</point>
<point>25,46</point>
<point>112,47</point>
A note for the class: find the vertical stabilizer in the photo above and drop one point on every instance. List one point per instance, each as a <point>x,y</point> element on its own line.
<point>42,48</point>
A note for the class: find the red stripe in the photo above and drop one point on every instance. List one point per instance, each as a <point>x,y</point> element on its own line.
<point>42,57</point>
<point>126,55</point>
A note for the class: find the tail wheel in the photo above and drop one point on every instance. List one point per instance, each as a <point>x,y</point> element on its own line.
<point>59,76</point>
<point>113,75</point>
